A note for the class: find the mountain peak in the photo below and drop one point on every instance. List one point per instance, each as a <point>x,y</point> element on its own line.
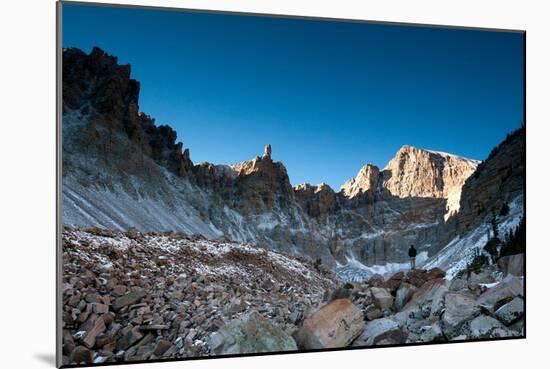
<point>417,172</point>
<point>414,172</point>
<point>367,179</point>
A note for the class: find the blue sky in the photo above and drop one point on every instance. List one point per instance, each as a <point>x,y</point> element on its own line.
<point>328,96</point>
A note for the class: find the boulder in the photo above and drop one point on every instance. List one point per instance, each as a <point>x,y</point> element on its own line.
<point>511,312</point>
<point>506,290</point>
<point>161,347</point>
<point>97,327</point>
<point>512,264</point>
<point>459,308</point>
<point>459,284</point>
<point>403,295</point>
<point>131,335</point>
<point>416,277</point>
<point>382,298</point>
<point>429,297</point>
<point>340,293</point>
<point>431,333</point>
<point>250,333</point>
<point>394,282</point>
<point>377,330</point>
<point>435,273</point>
<point>391,337</point>
<point>372,312</point>
<point>128,299</point>
<point>485,276</point>
<point>336,324</point>
<point>81,355</point>
<point>376,281</point>
<point>484,326</point>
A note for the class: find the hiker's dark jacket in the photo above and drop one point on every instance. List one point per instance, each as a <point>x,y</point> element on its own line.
<point>412,252</point>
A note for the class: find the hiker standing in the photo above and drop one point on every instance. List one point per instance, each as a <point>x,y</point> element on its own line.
<point>412,255</point>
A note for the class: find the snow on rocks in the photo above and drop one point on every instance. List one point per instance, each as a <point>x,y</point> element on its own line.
<point>163,295</point>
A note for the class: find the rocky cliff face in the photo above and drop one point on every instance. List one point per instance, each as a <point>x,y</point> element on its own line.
<point>492,200</point>
<point>121,170</point>
<point>415,172</point>
<point>497,181</point>
<point>96,86</point>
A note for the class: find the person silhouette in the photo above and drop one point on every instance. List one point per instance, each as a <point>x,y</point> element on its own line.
<point>412,255</point>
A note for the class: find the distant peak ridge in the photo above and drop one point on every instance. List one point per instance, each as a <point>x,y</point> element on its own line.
<point>415,172</point>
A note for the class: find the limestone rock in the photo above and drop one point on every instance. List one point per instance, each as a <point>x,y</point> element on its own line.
<point>382,298</point>
<point>431,333</point>
<point>250,333</point>
<point>459,309</point>
<point>507,289</point>
<point>377,330</point>
<point>484,326</point>
<point>430,296</point>
<point>403,295</point>
<point>336,324</point>
<point>511,312</point>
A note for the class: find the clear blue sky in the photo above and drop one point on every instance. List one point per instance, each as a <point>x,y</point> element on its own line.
<point>328,96</point>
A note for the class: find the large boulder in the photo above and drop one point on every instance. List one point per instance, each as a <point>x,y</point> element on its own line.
<point>431,333</point>
<point>511,312</point>
<point>512,264</point>
<point>382,298</point>
<point>250,333</point>
<point>429,297</point>
<point>393,283</point>
<point>380,332</point>
<point>484,326</point>
<point>459,309</point>
<point>416,277</point>
<point>478,281</point>
<point>505,291</point>
<point>435,273</point>
<point>336,324</point>
<point>403,295</point>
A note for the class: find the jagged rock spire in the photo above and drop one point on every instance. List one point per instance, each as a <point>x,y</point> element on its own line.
<point>267,151</point>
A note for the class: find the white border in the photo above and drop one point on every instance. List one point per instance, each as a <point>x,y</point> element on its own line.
<point>28,182</point>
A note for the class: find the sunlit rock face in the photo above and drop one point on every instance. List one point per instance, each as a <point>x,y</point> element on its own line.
<point>415,172</point>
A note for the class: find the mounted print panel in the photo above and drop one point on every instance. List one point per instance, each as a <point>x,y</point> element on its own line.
<point>237,184</point>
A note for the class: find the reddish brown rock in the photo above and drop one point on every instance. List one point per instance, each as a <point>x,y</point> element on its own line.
<point>336,324</point>
<point>435,273</point>
<point>97,327</point>
<point>161,347</point>
<point>81,355</point>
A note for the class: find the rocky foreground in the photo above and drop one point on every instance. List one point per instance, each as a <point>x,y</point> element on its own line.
<point>143,296</point>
